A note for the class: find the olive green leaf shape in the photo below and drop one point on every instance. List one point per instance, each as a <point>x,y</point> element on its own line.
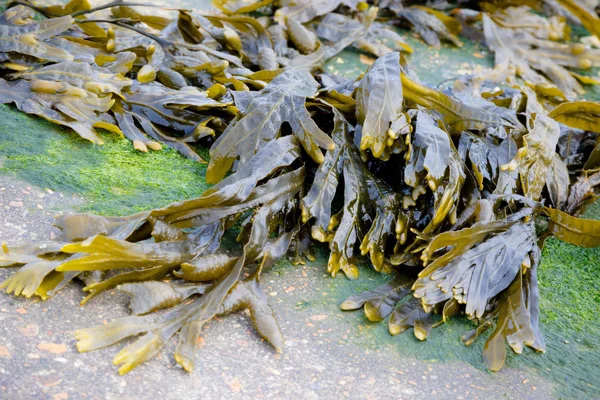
<point>136,275</point>
<point>150,296</point>
<point>577,231</point>
<point>164,115</point>
<point>29,277</point>
<point>341,32</point>
<point>433,158</point>
<point>533,161</point>
<point>258,245</point>
<point>380,40</point>
<point>364,196</point>
<point>381,301</point>
<point>29,38</point>
<point>581,115</point>
<point>479,274</point>
<point>431,24</point>
<point>104,253</point>
<point>457,243</point>
<point>456,114</point>
<point>532,60</point>
<point>411,314</point>
<point>205,268</point>
<point>558,182</point>
<point>343,229</point>
<point>248,295</point>
<point>94,79</point>
<point>78,227</point>
<point>582,192</point>
<point>254,40</point>
<point>431,152</point>
<point>578,114</point>
<point>74,8</point>
<point>522,18</point>
<point>351,227</point>
<point>189,318</point>
<point>318,201</point>
<point>262,113</point>
<point>305,11</point>
<point>485,155</point>
<point>131,130</point>
<point>589,21</point>
<point>157,330</point>
<point>379,103</point>
<point>61,103</point>
<point>26,253</point>
<point>153,21</point>
<point>53,283</point>
<point>240,7</point>
<point>385,225</point>
<point>514,326</point>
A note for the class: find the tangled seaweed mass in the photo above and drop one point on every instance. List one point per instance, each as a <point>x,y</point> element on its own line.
<point>452,192</point>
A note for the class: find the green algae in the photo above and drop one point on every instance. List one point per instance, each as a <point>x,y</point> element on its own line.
<point>114,179</point>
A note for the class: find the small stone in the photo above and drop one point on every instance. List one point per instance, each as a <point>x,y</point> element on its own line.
<point>4,352</point>
<point>319,317</point>
<point>52,383</point>
<point>273,294</point>
<point>366,59</point>
<point>54,348</point>
<point>60,396</point>
<point>16,204</point>
<point>21,310</point>
<point>235,385</point>
<point>30,330</point>
<point>33,356</point>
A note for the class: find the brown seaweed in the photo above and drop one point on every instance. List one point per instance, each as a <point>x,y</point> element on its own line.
<point>452,192</point>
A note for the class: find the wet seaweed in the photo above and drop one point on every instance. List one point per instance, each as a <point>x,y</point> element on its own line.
<point>452,192</point>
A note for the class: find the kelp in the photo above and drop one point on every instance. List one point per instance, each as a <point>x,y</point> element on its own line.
<point>450,191</point>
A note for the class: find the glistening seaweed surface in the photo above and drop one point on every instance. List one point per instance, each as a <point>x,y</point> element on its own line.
<point>105,172</point>
<point>116,179</point>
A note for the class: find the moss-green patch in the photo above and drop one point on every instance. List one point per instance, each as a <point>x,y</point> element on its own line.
<point>113,178</point>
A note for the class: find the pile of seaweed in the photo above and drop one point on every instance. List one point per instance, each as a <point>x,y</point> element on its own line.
<point>452,192</point>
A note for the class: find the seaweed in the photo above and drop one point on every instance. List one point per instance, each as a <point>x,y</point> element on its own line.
<point>451,192</point>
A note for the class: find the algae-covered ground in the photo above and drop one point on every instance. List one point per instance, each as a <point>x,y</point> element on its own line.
<point>113,179</point>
